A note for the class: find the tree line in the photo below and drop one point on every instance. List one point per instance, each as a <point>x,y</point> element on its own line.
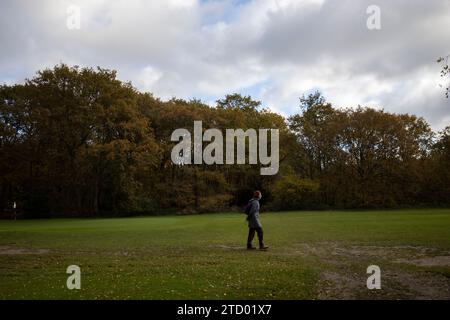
<point>79,142</point>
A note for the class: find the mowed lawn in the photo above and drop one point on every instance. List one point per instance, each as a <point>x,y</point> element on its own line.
<point>312,255</point>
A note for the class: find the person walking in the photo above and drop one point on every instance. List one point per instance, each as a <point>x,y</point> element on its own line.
<point>254,224</point>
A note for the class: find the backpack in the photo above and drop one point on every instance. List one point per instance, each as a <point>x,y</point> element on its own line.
<point>248,207</point>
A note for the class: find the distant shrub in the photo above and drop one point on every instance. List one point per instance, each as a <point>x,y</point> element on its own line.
<point>291,192</point>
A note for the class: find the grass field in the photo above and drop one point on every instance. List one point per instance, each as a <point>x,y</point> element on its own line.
<point>312,255</point>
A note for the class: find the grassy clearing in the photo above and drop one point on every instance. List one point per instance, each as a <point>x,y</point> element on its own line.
<point>313,255</point>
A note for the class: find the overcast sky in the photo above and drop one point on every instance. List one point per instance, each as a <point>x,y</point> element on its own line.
<point>273,50</point>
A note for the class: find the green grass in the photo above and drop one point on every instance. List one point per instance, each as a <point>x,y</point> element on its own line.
<point>203,256</point>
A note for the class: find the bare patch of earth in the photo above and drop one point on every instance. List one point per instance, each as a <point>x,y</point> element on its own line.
<point>438,261</point>
<point>6,250</point>
<point>407,272</point>
<point>225,247</point>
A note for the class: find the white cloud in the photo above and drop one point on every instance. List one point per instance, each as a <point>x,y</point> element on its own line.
<point>182,3</point>
<point>148,78</point>
<point>275,49</point>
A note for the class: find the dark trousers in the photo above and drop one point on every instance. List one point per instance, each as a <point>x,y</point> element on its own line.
<point>251,235</point>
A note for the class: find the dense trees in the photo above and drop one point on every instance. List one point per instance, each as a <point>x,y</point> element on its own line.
<point>73,142</point>
<point>380,153</point>
<point>76,141</point>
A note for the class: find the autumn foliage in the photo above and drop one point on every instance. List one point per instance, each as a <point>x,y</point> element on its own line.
<point>78,142</point>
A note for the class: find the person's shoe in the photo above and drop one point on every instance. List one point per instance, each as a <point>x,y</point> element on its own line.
<point>263,248</point>
<point>251,248</point>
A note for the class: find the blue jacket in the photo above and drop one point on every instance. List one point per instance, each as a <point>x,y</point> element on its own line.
<point>253,216</point>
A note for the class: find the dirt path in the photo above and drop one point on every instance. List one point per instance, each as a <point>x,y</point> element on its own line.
<point>407,272</point>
